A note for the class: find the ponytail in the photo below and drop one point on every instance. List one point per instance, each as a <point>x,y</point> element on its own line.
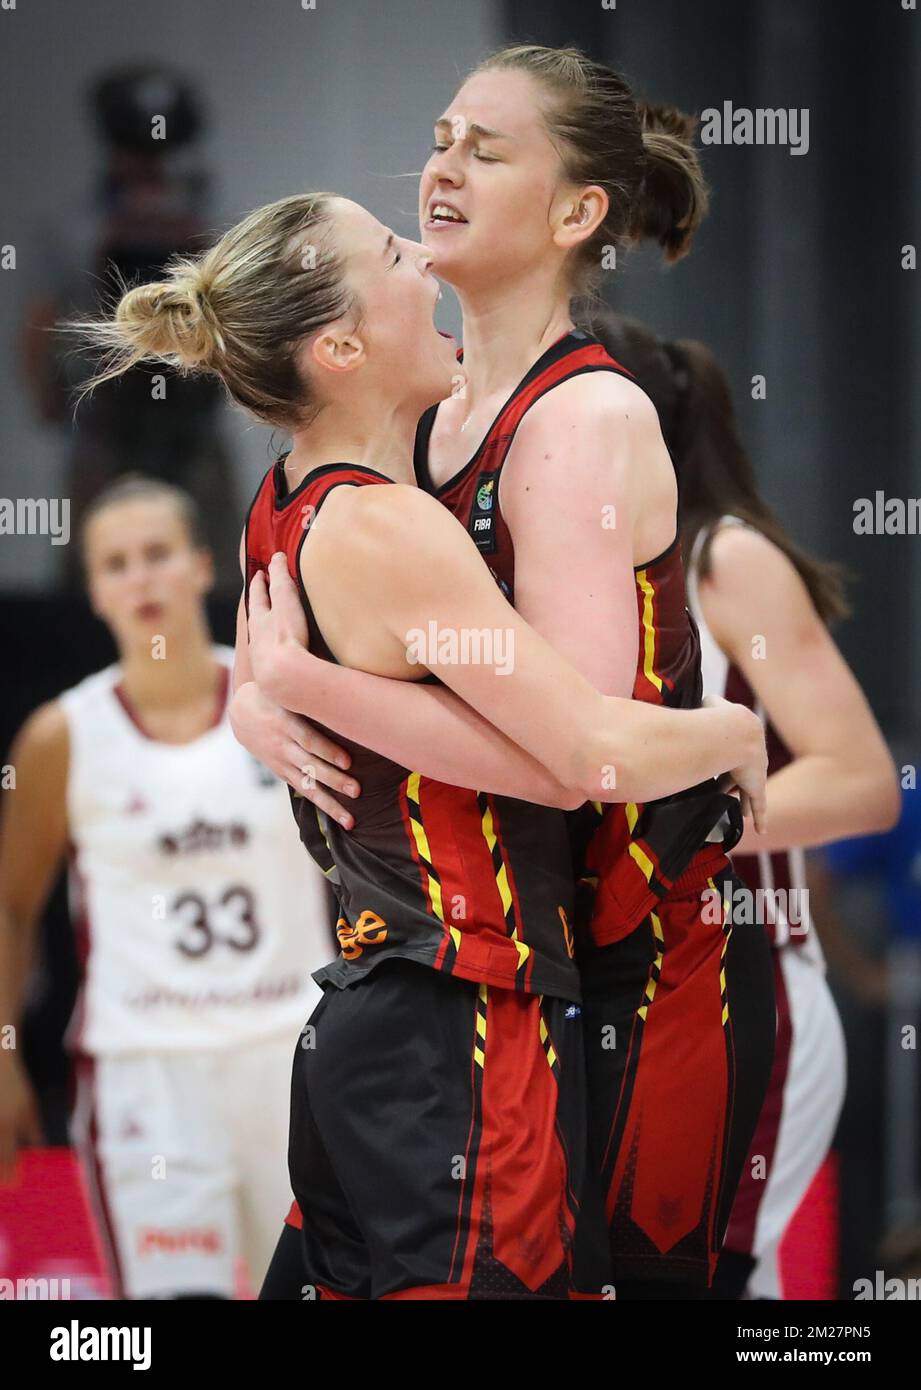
<point>239,311</point>
<point>642,156</point>
<point>674,198</point>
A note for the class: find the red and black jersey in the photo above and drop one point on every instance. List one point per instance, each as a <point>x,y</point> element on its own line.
<point>473,884</point>
<point>473,493</point>
<point>626,855</point>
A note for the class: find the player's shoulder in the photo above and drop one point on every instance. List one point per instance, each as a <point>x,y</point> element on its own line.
<point>43,739</point>
<point>375,516</point>
<point>739,549</point>
<point>370,537</point>
<point>750,574</point>
<point>597,400</point>
<point>90,688</point>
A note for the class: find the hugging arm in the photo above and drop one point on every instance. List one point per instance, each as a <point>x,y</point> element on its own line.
<point>285,742</point>
<point>423,727</point>
<point>596,747</point>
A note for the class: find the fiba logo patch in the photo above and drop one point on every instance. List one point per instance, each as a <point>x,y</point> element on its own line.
<point>482,527</point>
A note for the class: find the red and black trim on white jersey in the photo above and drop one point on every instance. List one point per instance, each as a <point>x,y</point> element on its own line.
<point>781,874</point>
<point>220,708</point>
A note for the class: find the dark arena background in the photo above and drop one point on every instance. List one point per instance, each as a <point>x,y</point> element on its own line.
<point>802,282</point>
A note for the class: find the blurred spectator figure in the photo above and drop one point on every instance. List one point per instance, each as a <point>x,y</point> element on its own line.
<point>148,203</point>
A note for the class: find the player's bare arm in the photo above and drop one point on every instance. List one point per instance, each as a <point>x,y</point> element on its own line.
<point>286,743</point>
<point>33,844</point>
<point>399,533</point>
<point>587,490</point>
<point>842,779</point>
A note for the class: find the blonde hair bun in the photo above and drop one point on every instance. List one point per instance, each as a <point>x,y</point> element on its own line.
<point>170,319</point>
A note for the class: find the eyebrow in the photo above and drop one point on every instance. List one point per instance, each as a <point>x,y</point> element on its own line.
<point>476,129</point>
<point>387,244</point>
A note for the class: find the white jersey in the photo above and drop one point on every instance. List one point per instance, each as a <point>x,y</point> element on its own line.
<point>807,1083</point>
<point>201,915</point>
<point>781,875</point>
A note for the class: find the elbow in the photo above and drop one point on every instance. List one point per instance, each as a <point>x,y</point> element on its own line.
<point>878,798</point>
<point>887,801</point>
<point>568,798</point>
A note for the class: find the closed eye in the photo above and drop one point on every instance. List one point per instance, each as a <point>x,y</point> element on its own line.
<point>483,158</point>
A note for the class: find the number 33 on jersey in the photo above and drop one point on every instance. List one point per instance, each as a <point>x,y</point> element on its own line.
<point>198,913</point>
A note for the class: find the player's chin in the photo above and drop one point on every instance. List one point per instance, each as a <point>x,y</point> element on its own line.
<point>448,260</point>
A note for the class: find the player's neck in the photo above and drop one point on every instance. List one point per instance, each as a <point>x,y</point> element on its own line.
<point>175,672</point>
<point>378,436</point>
<point>506,329</point>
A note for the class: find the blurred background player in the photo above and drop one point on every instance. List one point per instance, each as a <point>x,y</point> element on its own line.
<point>763,607</point>
<point>199,919</point>
<point>866,896</point>
<point>149,201</point>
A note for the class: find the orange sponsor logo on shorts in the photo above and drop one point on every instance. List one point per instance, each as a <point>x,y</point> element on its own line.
<point>369,930</point>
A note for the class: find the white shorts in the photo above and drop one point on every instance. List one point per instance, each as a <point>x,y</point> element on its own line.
<point>799,1116</point>
<point>185,1160</point>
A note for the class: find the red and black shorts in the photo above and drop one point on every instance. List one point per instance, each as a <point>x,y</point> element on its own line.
<point>438,1145</point>
<point>679,1037</point>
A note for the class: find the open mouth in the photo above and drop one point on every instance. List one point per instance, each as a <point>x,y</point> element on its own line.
<point>445,215</point>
